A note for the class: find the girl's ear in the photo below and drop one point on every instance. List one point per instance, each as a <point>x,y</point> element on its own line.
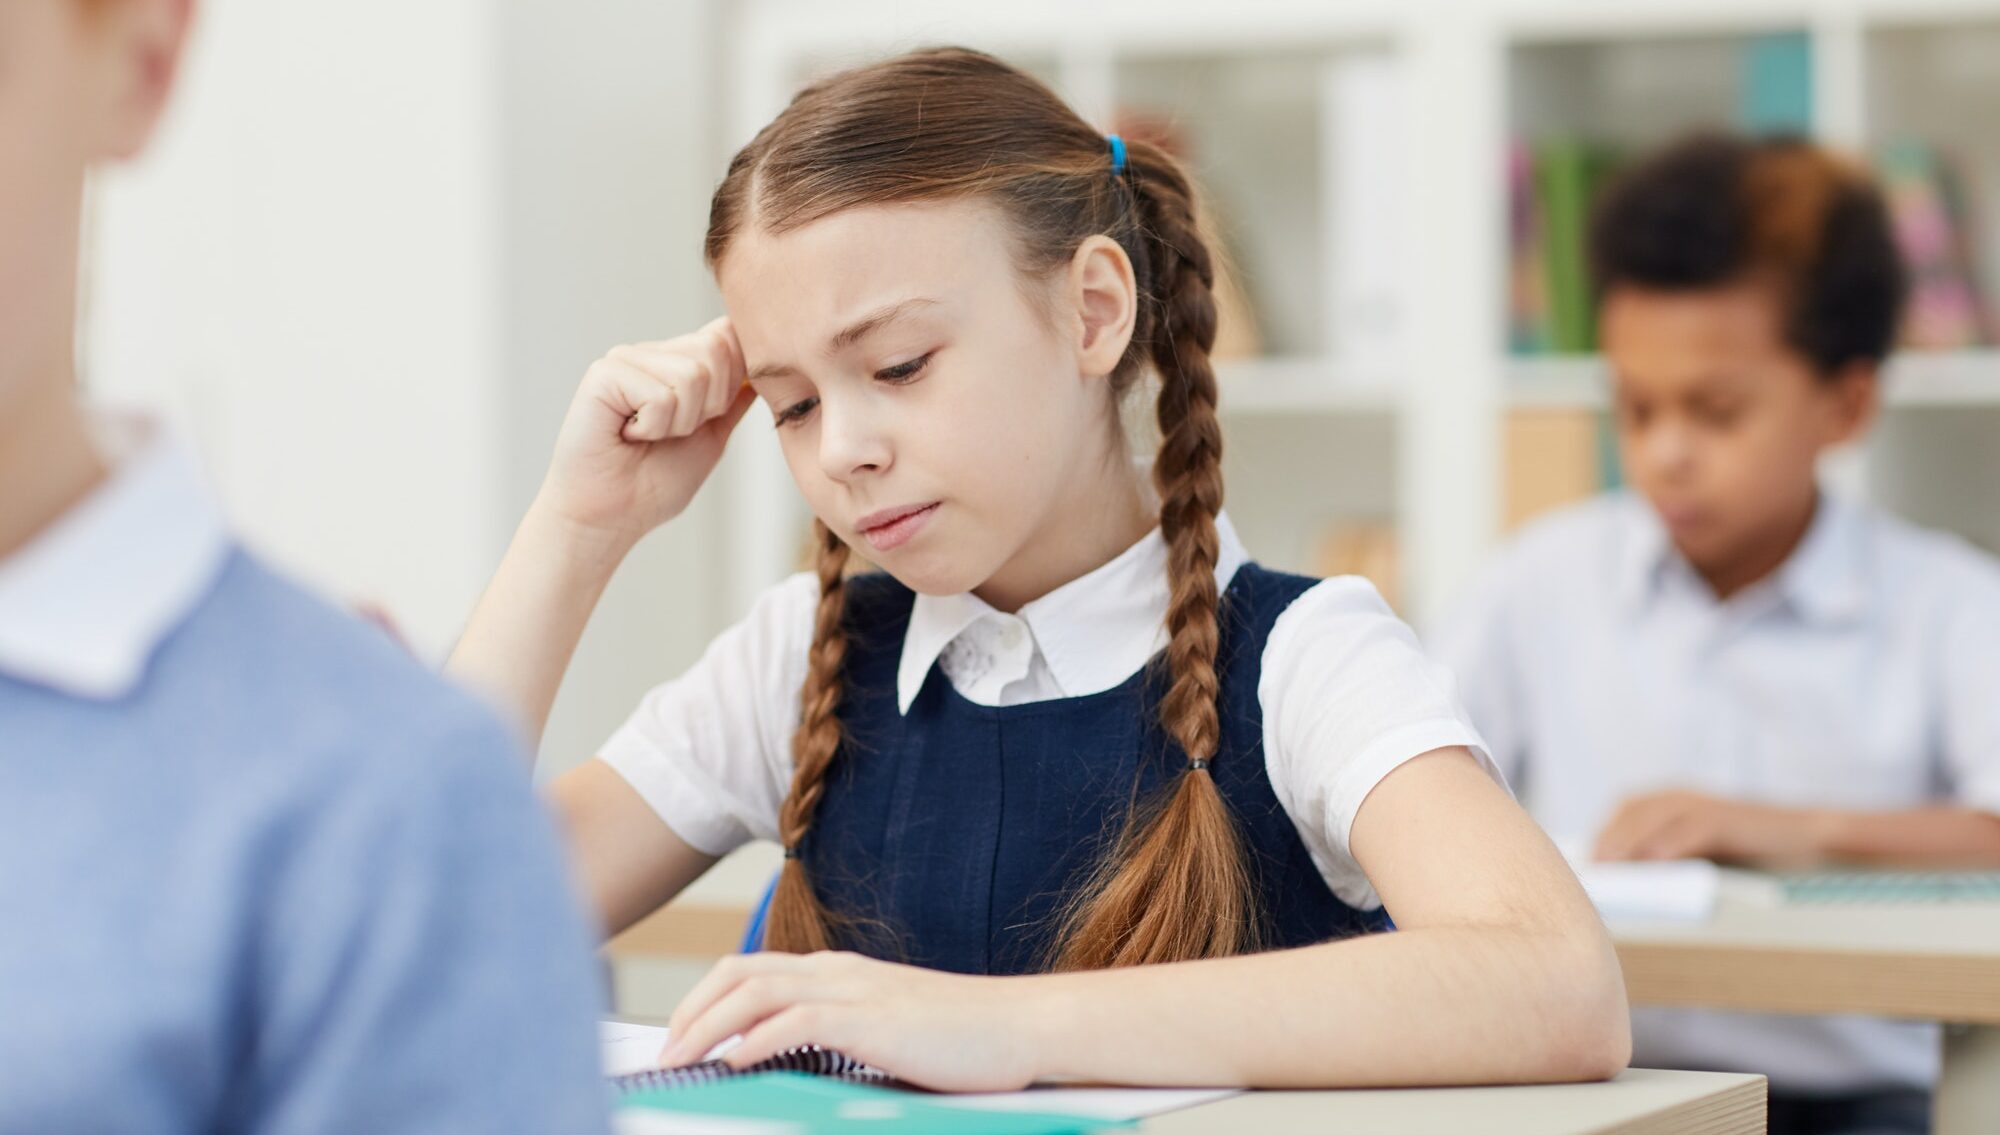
<point>1105,295</point>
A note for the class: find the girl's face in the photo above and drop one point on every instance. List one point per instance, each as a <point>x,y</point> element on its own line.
<point>947,418</point>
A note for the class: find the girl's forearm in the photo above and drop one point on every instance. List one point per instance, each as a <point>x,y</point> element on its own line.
<point>1455,1005</point>
<point>525,628</point>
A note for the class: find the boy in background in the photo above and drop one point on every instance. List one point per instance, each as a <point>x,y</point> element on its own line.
<point>259,872</point>
<point>1729,661</point>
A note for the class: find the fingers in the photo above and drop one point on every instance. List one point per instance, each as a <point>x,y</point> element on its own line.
<point>721,978</point>
<point>738,406</point>
<point>795,1027</point>
<point>1667,826</point>
<point>642,401</point>
<point>672,389</point>
<point>1683,836</point>
<point>1635,822</point>
<point>724,353</point>
<point>737,1012</point>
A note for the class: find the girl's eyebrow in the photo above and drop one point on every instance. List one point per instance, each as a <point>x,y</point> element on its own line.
<point>873,321</point>
<point>851,334</point>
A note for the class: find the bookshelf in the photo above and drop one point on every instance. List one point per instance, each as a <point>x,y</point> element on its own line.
<point>1384,392</point>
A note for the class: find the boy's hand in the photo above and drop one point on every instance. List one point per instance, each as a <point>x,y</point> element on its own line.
<point>1693,825</point>
<point>645,429</point>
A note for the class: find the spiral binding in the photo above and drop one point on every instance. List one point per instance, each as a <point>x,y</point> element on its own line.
<point>812,1060</point>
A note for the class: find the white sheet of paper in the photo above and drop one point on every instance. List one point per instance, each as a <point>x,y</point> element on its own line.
<point>637,1048</point>
<point>1670,890</point>
<point>630,1048</point>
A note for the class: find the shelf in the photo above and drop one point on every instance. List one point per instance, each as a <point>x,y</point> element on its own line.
<point>1267,387</point>
<point>1944,378</point>
<point>1556,382</point>
<point>1919,379</point>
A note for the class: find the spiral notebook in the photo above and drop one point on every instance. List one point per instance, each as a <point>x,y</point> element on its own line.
<point>632,1054</point>
<point>631,1060</point>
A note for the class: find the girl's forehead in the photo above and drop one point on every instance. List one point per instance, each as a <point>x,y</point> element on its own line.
<point>810,281</point>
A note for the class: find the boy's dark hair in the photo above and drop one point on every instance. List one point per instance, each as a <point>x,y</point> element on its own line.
<point>1714,209</point>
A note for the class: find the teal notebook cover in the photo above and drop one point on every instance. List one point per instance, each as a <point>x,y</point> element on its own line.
<point>817,1104</point>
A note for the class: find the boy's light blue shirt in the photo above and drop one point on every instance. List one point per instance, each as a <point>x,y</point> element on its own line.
<point>259,871</point>
<point>1864,674</point>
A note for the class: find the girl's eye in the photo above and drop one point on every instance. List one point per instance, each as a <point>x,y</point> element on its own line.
<point>797,411</point>
<point>904,372</point>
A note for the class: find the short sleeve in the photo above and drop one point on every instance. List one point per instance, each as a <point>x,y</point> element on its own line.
<point>1348,696</point>
<point>1971,708</point>
<point>710,751</point>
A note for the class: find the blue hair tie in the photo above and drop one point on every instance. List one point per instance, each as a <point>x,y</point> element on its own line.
<point>1117,154</point>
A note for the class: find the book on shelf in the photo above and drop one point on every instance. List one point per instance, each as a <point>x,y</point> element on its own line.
<point>1927,212</point>
<point>1527,271</point>
<point>1777,92</point>
<point>1552,185</point>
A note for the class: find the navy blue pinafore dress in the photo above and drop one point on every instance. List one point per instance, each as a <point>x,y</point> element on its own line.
<point>957,830</point>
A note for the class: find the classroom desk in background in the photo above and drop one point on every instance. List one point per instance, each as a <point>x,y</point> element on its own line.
<point>1923,961</point>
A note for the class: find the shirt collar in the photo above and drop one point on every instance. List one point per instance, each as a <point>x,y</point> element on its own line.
<point>86,603</point>
<point>1644,552</point>
<point>1092,632</point>
<point>1823,580</point>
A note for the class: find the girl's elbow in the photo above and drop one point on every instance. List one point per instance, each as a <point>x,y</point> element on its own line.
<point>1603,1045</point>
<point>1594,1038</point>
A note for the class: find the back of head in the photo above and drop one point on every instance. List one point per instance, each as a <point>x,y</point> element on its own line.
<point>1714,210</point>
<point>949,124</point>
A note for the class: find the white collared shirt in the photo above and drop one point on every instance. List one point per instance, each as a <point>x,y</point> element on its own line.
<point>1863,674</point>
<point>1347,695</point>
<point>86,602</point>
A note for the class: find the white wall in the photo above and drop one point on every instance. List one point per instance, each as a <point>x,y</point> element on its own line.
<point>303,271</point>
<point>610,155</point>
<point>366,262</point>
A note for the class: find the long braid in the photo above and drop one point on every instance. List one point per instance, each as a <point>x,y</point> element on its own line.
<point>948,124</point>
<point>1178,886</point>
<point>798,922</point>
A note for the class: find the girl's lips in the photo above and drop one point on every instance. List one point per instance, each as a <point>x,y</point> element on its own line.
<point>897,526</point>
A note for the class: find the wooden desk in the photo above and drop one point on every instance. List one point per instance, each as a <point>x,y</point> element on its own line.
<point>1637,1103</point>
<point>1937,962</point>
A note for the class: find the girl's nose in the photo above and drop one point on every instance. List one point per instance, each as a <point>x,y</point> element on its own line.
<point>851,443</point>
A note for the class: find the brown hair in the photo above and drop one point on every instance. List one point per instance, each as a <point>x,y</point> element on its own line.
<point>951,123</point>
<point>1714,209</point>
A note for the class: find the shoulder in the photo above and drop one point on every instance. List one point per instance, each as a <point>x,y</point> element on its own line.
<point>293,682</point>
<point>1930,578</point>
<point>1326,620</point>
<point>1913,558</point>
